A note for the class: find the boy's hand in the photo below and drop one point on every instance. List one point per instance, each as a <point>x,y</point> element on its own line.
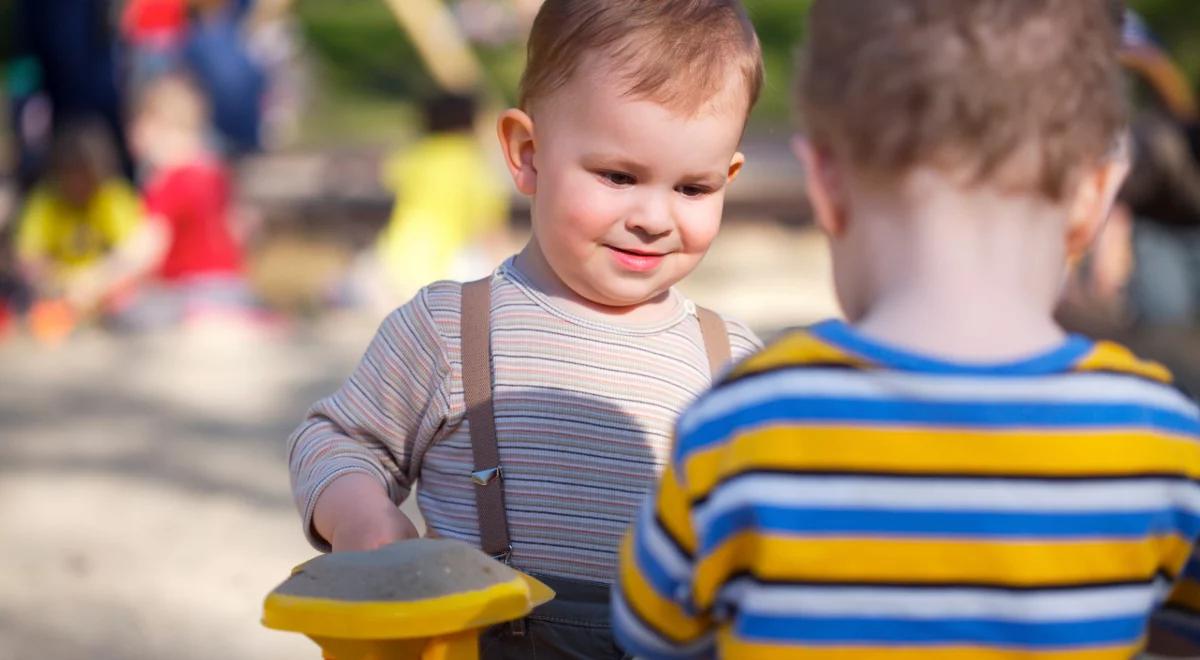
<point>355,513</point>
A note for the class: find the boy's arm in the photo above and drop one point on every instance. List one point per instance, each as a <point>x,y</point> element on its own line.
<point>351,460</point>
<point>355,513</point>
<point>133,259</point>
<point>653,613</point>
<point>30,241</point>
<point>1175,628</point>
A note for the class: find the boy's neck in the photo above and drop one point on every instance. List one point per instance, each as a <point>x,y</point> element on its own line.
<point>961,274</point>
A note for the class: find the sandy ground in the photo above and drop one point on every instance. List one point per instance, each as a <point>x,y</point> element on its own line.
<point>144,501</point>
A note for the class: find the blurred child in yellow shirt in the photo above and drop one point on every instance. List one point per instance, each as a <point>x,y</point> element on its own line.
<point>81,235</point>
<point>451,208</point>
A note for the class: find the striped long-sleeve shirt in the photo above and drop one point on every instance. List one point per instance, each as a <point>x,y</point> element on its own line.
<point>584,415</point>
<point>838,498</point>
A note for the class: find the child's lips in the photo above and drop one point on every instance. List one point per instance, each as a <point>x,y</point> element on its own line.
<point>638,261</point>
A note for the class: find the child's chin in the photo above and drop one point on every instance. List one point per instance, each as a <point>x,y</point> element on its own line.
<point>627,297</point>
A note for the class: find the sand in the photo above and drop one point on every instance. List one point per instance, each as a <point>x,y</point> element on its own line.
<point>402,572</point>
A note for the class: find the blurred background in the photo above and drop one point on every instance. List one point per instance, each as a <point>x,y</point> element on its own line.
<point>207,206</point>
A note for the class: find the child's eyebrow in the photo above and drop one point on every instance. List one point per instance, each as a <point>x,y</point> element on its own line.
<point>712,176</point>
<point>624,164</point>
<point>615,162</point>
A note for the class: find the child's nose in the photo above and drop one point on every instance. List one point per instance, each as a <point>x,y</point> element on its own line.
<point>651,217</point>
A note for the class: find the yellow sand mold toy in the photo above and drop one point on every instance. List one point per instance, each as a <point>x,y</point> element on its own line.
<point>424,599</point>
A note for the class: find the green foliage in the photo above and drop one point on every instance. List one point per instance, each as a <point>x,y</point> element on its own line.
<point>1177,23</point>
<point>361,48</point>
<point>364,54</point>
<point>780,25</point>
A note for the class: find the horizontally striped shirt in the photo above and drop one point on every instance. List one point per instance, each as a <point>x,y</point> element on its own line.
<point>838,498</point>
<point>584,416</point>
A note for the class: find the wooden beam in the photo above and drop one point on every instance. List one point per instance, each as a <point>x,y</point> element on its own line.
<point>442,46</point>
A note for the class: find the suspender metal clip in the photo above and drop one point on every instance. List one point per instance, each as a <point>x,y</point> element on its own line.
<point>505,556</point>
<point>484,477</point>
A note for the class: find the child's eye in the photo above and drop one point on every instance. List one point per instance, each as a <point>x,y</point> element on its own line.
<point>692,191</point>
<point>618,178</point>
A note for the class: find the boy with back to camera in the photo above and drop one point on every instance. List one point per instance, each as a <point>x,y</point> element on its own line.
<point>949,474</point>
<point>535,407</point>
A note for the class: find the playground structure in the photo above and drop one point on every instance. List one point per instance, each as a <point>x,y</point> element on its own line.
<point>423,599</point>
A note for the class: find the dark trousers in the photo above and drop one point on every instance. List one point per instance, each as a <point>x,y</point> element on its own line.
<point>573,626</point>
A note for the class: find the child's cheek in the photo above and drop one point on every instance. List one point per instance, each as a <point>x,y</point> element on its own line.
<point>700,226</point>
<point>592,211</point>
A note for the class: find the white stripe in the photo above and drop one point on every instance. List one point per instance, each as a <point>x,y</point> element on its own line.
<point>895,385</point>
<point>1162,589</point>
<point>900,494</point>
<point>930,604</point>
<point>646,641</point>
<point>661,548</point>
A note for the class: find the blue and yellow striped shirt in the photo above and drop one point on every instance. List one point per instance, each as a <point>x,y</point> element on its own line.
<point>838,498</point>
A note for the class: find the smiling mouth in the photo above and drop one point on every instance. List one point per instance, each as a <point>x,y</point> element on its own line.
<point>636,253</point>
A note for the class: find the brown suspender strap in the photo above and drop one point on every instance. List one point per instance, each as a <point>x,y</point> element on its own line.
<point>481,419</point>
<point>716,340</point>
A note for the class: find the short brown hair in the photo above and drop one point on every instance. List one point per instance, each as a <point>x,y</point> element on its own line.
<point>1022,93</point>
<point>678,53</point>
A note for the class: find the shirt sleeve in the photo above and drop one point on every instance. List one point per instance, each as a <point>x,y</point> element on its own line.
<point>1180,612</point>
<point>743,342</point>
<point>387,412</point>
<point>654,615</point>
<point>122,212</point>
<point>33,239</point>
<point>159,200</point>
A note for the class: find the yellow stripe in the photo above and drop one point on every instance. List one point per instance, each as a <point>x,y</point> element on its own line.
<point>1107,356</point>
<point>735,649</point>
<point>798,348</point>
<point>666,617</point>
<point>938,451</point>
<point>674,513</point>
<point>908,560</point>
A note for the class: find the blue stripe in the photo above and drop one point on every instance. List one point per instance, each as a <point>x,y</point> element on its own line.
<point>1059,358</point>
<point>989,415</point>
<point>783,521</point>
<point>849,631</point>
<point>647,564</point>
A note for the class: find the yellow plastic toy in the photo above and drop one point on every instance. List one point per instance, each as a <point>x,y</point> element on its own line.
<point>424,599</point>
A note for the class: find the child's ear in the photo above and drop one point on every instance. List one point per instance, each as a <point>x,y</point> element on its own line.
<point>1093,202</point>
<point>735,166</point>
<point>515,130</point>
<point>823,186</point>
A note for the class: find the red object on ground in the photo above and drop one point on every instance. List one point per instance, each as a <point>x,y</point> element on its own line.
<point>194,200</point>
<point>154,20</point>
<point>6,318</point>
<point>51,321</point>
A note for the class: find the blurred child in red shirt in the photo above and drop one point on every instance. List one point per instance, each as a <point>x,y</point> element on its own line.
<point>189,194</point>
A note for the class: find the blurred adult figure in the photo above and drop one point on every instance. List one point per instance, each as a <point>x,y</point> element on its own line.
<point>73,43</point>
<point>217,55</point>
